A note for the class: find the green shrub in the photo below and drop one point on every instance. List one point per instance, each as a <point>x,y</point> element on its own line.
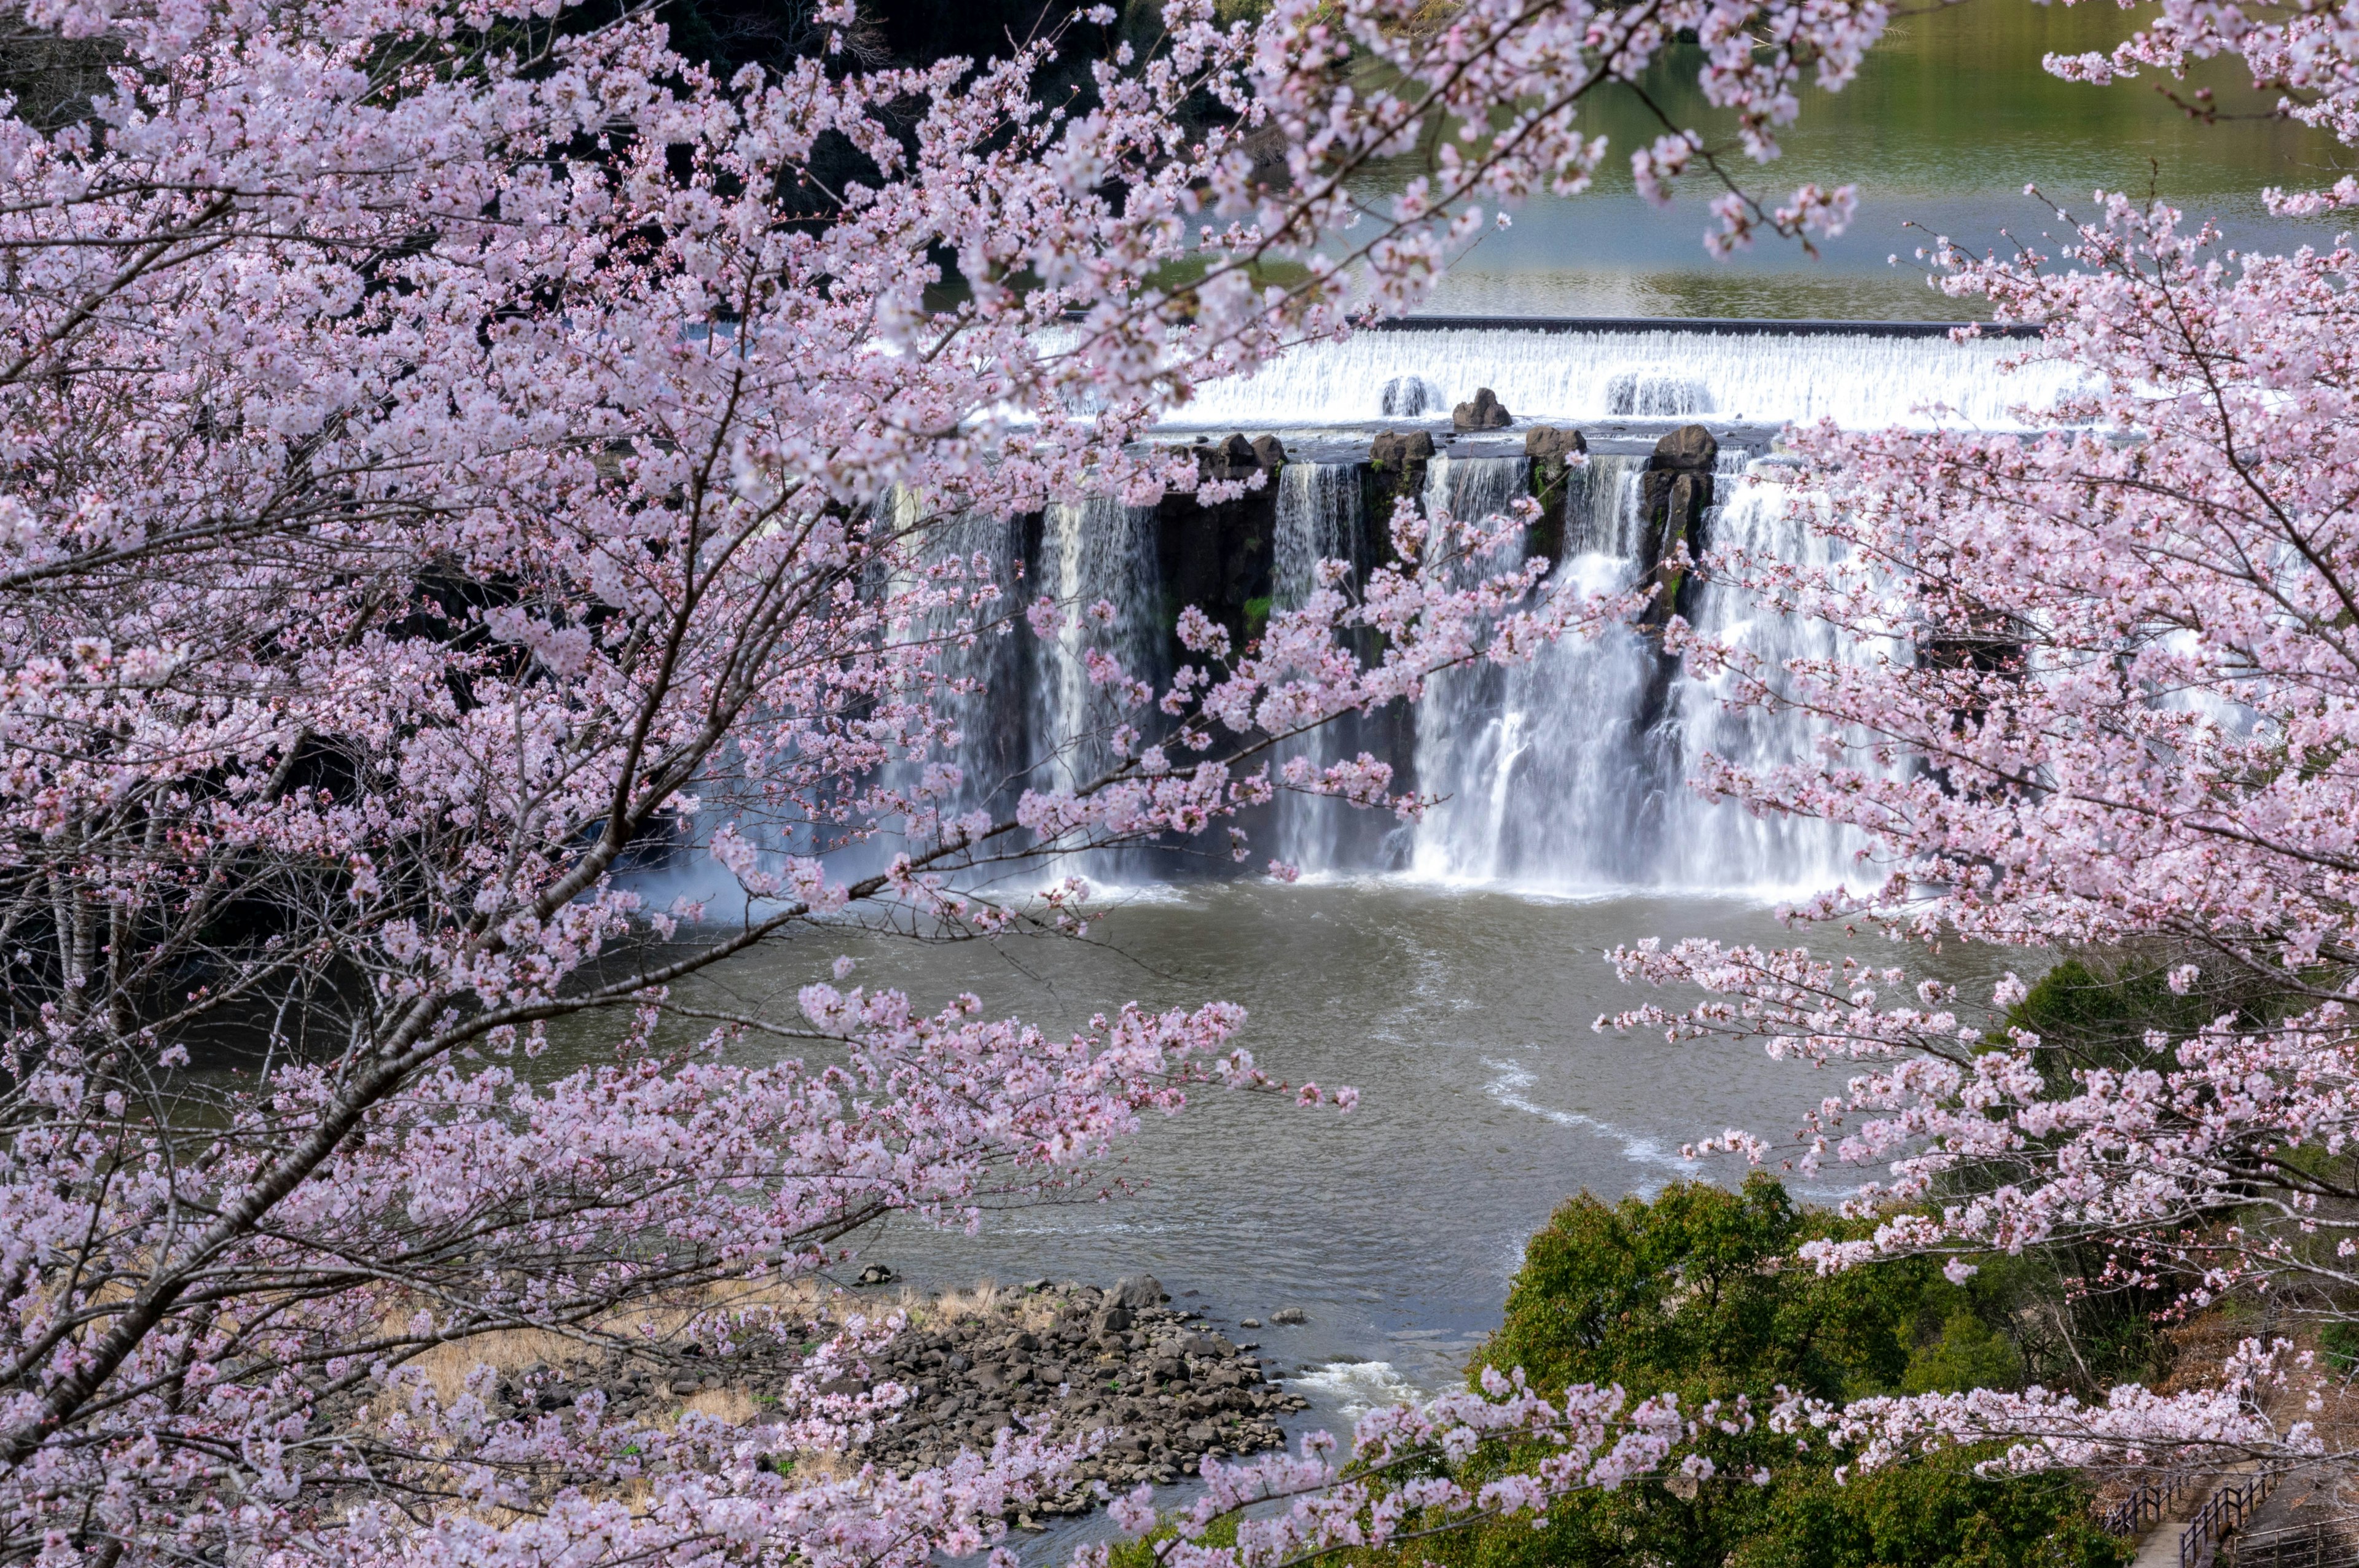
<point>1968,1355</point>
<point>1692,1293</point>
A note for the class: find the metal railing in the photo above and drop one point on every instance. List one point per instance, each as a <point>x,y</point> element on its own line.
<point>2221,1515</point>
<point>2319,1544</point>
<point>2147,1504</point>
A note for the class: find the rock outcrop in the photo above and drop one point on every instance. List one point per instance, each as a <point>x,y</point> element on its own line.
<point>1155,1389</point>
<point>1677,489</point>
<point>1219,558</point>
<point>1551,449</point>
<point>1161,1390</point>
<point>1484,412</point>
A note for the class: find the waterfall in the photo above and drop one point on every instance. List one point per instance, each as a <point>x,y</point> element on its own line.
<point>1547,765</point>
<point>1564,774</point>
<point>1719,843</point>
<point>979,659</point>
<point>1569,772</point>
<point>1318,518</point>
<point>1097,551</point>
<point>1863,380</point>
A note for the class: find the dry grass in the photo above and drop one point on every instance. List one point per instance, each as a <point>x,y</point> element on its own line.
<point>986,1299</point>
<point>448,1366</point>
<point>734,1406</point>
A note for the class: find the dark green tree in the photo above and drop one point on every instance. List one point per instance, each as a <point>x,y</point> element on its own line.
<point>1693,1293</point>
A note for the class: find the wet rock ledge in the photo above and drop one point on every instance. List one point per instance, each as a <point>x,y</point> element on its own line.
<point>1072,1360</point>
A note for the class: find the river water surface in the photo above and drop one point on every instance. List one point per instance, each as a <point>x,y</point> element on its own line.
<point>1464,1019</point>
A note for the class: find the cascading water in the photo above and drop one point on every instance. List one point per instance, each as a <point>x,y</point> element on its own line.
<point>1318,518</point>
<point>1569,772</point>
<point>1096,552</point>
<point>1546,764</point>
<point>1861,381</point>
<point>978,658</point>
<point>1715,844</point>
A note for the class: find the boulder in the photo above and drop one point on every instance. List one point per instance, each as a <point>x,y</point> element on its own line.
<point>1690,449</point>
<point>1550,449</point>
<point>1268,451</point>
<point>1399,449</point>
<point>1677,492</point>
<point>1138,1291</point>
<point>1484,413</point>
<point>1553,443</point>
<point>1289,1315</point>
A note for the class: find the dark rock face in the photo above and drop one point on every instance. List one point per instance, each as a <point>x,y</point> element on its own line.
<point>1394,447</point>
<point>1219,558</point>
<point>1677,489</point>
<point>1549,448</point>
<point>1140,1291</point>
<point>1232,458</point>
<point>1397,467</point>
<point>1544,443</point>
<point>1690,448</point>
<point>1484,413</point>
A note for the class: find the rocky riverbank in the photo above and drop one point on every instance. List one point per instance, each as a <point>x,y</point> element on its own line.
<point>1078,1362</point>
<point>1151,1387</point>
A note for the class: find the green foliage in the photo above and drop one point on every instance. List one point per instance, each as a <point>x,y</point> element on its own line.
<point>1140,1553</point>
<point>1968,1355</point>
<point>1689,1293</point>
<point>2340,1341</point>
<point>2085,1019</point>
<point>1686,1292</point>
<point>1935,1513</point>
<point>1258,616</point>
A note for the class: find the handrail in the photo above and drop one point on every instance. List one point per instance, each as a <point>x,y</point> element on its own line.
<point>2221,1515</point>
<point>2317,1545</point>
<point>2147,1504</point>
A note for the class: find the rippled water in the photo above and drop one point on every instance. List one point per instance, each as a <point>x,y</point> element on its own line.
<point>1465,1020</point>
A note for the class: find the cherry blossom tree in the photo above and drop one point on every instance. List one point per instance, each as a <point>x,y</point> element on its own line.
<point>2097,695</point>
<point>459,452</point>
<point>456,452</point>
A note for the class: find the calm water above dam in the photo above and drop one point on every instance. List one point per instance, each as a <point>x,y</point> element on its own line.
<point>1949,118</point>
